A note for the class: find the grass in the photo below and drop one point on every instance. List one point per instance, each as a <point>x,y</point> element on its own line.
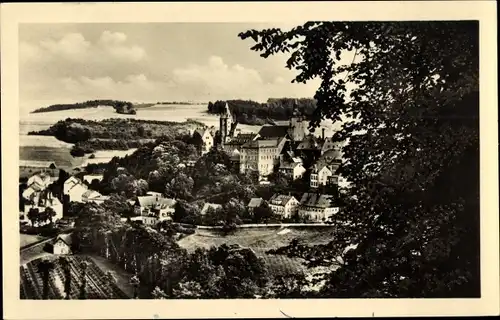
<point>261,240</point>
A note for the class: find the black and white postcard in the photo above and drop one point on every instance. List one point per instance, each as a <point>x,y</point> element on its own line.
<point>250,159</point>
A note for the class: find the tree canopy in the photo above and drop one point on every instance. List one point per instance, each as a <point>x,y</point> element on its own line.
<point>409,106</point>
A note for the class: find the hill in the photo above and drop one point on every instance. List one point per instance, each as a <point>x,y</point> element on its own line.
<point>83,105</point>
<point>260,240</point>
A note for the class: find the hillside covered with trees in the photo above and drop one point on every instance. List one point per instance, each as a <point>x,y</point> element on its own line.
<point>255,113</point>
<point>113,134</point>
<point>120,106</point>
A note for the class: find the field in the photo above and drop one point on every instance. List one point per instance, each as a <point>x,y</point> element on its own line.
<point>27,239</point>
<point>99,286</point>
<point>261,240</point>
<point>59,155</point>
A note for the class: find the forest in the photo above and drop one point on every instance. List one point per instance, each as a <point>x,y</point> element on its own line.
<point>255,113</point>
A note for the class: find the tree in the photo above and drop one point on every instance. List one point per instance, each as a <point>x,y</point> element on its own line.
<point>180,186</point>
<point>125,183</point>
<point>409,100</point>
<point>44,268</point>
<point>83,284</point>
<point>33,215</point>
<point>135,282</point>
<point>264,214</point>
<point>67,277</point>
<point>48,214</point>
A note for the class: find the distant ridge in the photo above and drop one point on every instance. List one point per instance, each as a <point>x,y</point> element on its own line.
<point>116,104</point>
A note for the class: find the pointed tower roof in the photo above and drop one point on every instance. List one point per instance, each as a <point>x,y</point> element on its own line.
<point>296,112</point>
<point>226,113</point>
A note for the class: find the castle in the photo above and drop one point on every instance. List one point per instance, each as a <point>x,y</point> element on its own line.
<point>260,151</point>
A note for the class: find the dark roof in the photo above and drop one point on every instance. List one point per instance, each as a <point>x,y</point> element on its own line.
<point>66,238</point>
<point>309,143</point>
<point>242,138</point>
<point>267,132</point>
<point>289,164</point>
<point>316,200</point>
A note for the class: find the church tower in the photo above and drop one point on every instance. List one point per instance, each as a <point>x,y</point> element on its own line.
<point>298,126</point>
<point>223,126</point>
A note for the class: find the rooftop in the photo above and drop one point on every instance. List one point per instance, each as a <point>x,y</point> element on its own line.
<point>280,199</point>
<point>255,202</point>
<point>208,205</point>
<point>269,131</point>
<point>316,200</point>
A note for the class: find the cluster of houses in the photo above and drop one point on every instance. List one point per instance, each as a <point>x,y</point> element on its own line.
<point>312,206</point>
<point>286,146</point>
<point>38,195</point>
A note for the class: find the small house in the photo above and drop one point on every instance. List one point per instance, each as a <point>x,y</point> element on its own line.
<point>154,208</point>
<point>317,207</point>
<point>294,168</point>
<point>208,139</point>
<point>208,206</point>
<point>62,244</point>
<point>93,196</point>
<point>74,188</point>
<point>320,175</point>
<point>255,203</point>
<point>283,205</point>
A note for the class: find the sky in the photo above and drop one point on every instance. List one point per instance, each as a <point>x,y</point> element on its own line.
<point>148,62</point>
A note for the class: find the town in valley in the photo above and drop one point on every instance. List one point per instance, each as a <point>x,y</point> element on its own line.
<point>182,170</point>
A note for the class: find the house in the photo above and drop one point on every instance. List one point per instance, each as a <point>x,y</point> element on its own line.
<point>292,168</point>
<point>41,179</point>
<point>155,194</point>
<point>154,208</point>
<point>208,206</point>
<point>74,188</point>
<point>294,129</point>
<point>239,140</point>
<point>66,222</point>
<point>31,192</point>
<point>93,196</point>
<point>62,244</point>
<point>321,175</point>
<point>91,177</point>
<point>261,155</point>
<point>317,207</point>
<point>254,203</point>
<point>207,138</point>
<point>329,145</point>
<point>36,184</point>
<point>283,205</point>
